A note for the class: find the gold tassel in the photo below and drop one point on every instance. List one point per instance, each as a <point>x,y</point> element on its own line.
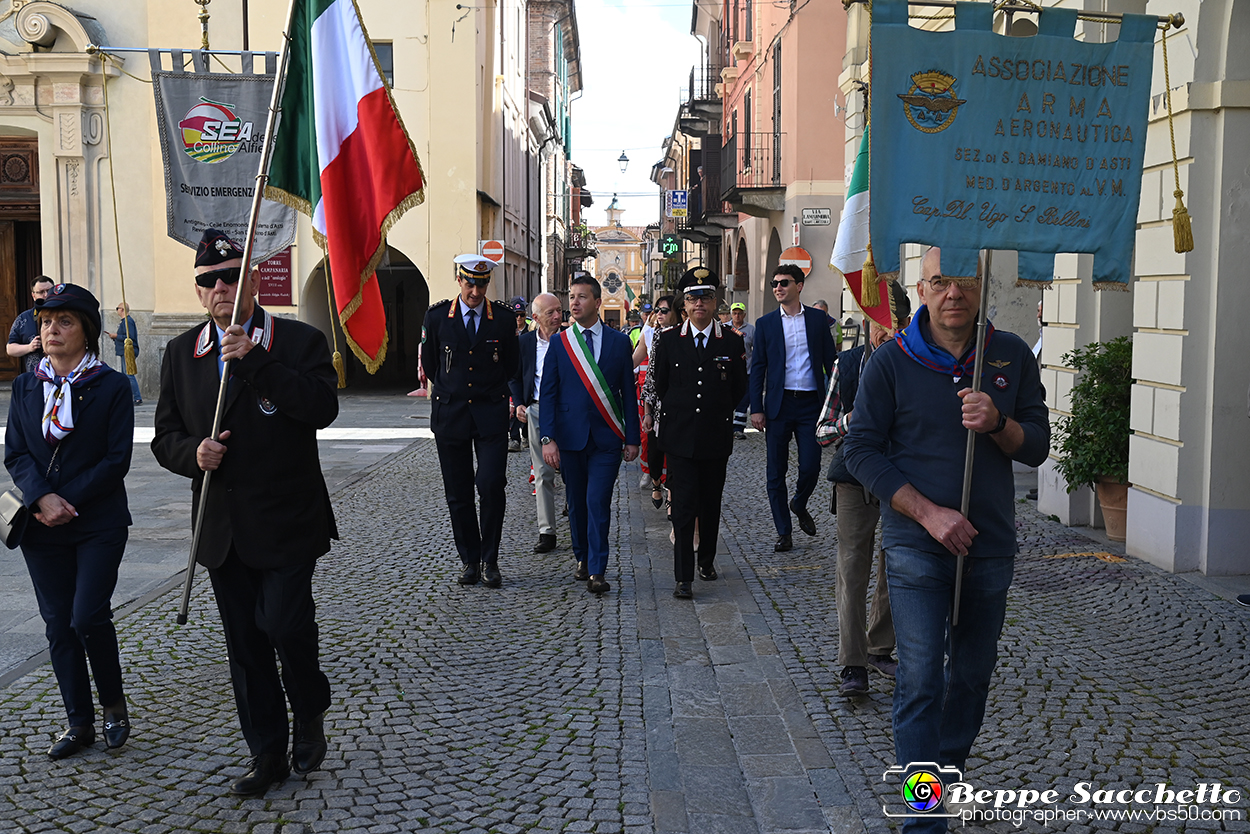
<point>131,367</point>
<point>341,368</point>
<point>869,296</point>
<point>1182,229</point>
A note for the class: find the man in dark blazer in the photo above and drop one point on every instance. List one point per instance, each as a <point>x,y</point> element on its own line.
<point>268,515</point>
<point>700,375</point>
<point>790,366</point>
<point>525,386</point>
<point>469,355</point>
<point>589,411</point>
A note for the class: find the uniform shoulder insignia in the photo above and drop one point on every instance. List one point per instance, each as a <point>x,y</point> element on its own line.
<point>440,303</point>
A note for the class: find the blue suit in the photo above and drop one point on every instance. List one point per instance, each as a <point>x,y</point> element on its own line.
<point>790,413</point>
<point>590,451</point>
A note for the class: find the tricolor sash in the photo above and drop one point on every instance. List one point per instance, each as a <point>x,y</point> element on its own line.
<point>596,386</point>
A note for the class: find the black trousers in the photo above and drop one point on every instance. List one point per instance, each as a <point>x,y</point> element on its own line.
<point>74,580</point>
<point>697,485</point>
<point>475,542</point>
<point>266,613</point>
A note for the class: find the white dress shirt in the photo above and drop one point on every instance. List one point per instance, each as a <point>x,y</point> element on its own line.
<point>798,360</point>
<point>539,356</point>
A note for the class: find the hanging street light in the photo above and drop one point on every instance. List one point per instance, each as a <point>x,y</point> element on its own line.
<point>623,161</point>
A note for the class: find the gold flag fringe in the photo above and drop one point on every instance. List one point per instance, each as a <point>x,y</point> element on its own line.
<point>1035,285</point>
<point>1116,286</point>
<point>1182,228</point>
<point>869,294</point>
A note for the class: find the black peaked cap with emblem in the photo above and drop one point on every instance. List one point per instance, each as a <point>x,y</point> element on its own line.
<point>215,248</point>
<point>699,276</point>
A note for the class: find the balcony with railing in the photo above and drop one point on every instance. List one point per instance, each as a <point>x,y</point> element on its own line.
<point>750,173</point>
<point>708,215</point>
<point>702,112</point>
<point>580,243</point>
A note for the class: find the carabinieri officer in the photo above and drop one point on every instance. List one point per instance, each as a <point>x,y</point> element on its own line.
<point>468,355</point>
<point>700,374</point>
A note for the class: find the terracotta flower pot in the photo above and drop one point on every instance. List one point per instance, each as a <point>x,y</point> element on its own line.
<point>1113,498</point>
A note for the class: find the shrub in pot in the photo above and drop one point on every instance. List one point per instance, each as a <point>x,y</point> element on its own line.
<point>1093,441</point>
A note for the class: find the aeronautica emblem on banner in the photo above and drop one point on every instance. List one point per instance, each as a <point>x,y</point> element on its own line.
<point>930,104</point>
<point>211,132</point>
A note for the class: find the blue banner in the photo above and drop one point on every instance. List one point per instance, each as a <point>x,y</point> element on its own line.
<point>981,141</point>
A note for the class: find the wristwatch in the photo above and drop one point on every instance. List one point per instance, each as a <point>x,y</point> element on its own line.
<point>544,440</point>
<point>1002,424</point>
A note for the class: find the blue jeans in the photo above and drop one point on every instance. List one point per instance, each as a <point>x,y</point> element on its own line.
<point>134,388</point>
<point>795,418</point>
<point>943,676</point>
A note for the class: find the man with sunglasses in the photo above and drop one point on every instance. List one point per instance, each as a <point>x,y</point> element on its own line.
<point>906,445</point>
<point>470,354</point>
<point>790,366</point>
<point>268,515</point>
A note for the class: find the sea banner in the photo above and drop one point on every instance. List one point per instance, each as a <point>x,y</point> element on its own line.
<point>982,141</point>
<point>212,127</point>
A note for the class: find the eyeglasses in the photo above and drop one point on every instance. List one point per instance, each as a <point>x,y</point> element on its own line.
<point>940,284</point>
<point>781,282</point>
<point>663,311</point>
<point>227,276</point>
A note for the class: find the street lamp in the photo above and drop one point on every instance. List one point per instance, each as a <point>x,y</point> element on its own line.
<point>623,161</point>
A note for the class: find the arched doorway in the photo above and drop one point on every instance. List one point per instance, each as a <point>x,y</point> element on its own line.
<point>21,249</point>
<point>774,258</point>
<point>405,296</point>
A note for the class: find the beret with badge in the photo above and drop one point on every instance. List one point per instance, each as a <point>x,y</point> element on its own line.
<point>216,248</point>
<point>71,297</point>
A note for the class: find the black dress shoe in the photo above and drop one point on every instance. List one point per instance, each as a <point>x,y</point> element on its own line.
<point>597,584</point>
<point>806,523</point>
<point>116,729</point>
<point>267,769</point>
<point>468,576</point>
<point>71,741</point>
<point>581,574</point>
<point>707,573</point>
<point>783,544</point>
<point>491,577</point>
<point>309,746</point>
<point>682,591</point>
<point>546,543</point>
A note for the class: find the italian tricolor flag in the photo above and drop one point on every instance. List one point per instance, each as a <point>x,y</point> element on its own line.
<point>851,247</point>
<point>342,156</point>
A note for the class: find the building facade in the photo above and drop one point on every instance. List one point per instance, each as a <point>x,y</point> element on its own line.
<point>461,78</point>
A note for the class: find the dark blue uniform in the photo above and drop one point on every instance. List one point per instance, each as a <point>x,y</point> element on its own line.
<point>469,412</point>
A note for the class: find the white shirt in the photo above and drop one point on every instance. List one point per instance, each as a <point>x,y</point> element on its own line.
<point>539,356</point>
<point>707,335</point>
<point>597,329</point>
<point>798,361</point>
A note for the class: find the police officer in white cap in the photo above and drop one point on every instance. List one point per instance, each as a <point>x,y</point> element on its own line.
<point>469,353</point>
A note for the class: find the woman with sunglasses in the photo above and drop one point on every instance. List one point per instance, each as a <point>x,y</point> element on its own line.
<point>667,314</point>
<point>67,447</point>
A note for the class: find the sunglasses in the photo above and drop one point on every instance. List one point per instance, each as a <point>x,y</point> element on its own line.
<point>227,276</point>
<point>663,311</point>
<point>783,282</point>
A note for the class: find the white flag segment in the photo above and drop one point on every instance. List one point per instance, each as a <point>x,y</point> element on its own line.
<point>343,75</point>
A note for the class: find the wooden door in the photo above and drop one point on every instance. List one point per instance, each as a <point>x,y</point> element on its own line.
<point>10,302</point>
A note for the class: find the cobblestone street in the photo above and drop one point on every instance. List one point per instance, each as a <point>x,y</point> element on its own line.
<point>540,707</point>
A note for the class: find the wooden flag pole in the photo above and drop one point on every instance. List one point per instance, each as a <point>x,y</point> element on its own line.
<point>970,452</point>
<point>262,177</point>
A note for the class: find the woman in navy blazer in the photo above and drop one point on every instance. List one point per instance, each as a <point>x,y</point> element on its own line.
<point>67,448</point>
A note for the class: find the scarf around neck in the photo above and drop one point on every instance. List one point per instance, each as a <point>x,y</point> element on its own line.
<point>935,358</point>
<point>58,403</point>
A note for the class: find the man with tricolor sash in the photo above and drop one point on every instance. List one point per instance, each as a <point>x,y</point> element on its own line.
<point>590,411</point>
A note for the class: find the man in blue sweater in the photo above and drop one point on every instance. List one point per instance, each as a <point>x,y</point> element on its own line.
<point>906,445</point>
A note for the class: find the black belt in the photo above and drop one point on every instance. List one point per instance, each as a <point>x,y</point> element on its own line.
<point>798,394</point>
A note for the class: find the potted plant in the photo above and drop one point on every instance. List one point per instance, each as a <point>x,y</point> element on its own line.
<point>1093,441</point>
